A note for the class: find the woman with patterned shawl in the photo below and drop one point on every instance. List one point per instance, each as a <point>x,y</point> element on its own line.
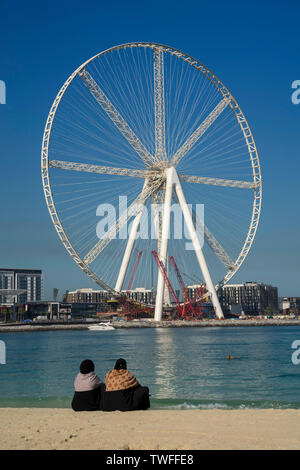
<point>123,391</point>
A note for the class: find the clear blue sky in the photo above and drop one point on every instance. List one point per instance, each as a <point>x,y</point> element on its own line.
<point>253,48</point>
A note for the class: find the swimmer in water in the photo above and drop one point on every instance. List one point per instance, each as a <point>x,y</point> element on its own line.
<point>229,357</point>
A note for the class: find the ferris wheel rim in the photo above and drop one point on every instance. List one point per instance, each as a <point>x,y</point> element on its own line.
<point>241,119</point>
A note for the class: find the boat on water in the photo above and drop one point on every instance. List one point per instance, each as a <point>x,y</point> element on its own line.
<point>101,327</point>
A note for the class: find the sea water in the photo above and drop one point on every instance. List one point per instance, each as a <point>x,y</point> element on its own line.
<point>185,368</point>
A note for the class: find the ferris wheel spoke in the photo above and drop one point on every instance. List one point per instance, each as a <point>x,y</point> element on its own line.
<point>115,116</point>
<point>159,104</point>
<point>105,170</point>
<point>211,240</point>
<point>218,249</point>
<point>130,245</point>
<point>208,121</point>
<point>217,181</point>
<point>134,207</point>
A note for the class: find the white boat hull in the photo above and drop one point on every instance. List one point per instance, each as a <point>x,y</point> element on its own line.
<point>101,327</point>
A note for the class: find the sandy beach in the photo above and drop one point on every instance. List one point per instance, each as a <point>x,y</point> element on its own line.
<point>41,428</point>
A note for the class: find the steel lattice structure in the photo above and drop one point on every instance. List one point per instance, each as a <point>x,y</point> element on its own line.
<point>162,179</point>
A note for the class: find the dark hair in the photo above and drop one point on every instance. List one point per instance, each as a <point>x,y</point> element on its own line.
<point>87,366</point>
<point>120,364</point>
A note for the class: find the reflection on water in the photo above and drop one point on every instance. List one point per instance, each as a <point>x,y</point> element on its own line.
<point>165,362</point>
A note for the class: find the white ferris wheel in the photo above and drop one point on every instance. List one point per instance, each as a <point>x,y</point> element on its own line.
<point>147,122</point>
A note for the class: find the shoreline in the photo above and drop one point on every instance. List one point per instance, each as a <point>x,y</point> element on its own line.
<point>157,404</point>
<point>36,429</point>
<point>55,326</point>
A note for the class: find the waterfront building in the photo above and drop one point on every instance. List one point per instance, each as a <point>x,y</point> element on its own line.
<point>86,295</point>
<point>87,301</point>
<point>289,305</point>
<point>140,294</point>
<point>45,309</point>
<point>27,280</point>
<point>255,298</point>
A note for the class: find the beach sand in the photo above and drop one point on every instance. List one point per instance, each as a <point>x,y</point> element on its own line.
<point>41,428</point>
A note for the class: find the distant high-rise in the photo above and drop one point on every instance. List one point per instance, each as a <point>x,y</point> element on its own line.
<point>29,280</point>
<point>55,293</point>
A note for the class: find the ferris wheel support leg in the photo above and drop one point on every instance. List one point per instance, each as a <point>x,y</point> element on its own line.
<point>164,245</point>
<point>158,225</point>
<point>129,247</point>
<point>157,221</point>
<point>197,246</point>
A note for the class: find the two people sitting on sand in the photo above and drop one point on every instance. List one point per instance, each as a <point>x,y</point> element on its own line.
<point>121,390</point>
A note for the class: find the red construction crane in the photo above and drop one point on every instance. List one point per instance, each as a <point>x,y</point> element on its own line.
<point>188,302</point>
<point>179,277</point>
<point>187,305</point>
<point>199,293</point>
<point>134,271</point>
<point>169,285</point>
